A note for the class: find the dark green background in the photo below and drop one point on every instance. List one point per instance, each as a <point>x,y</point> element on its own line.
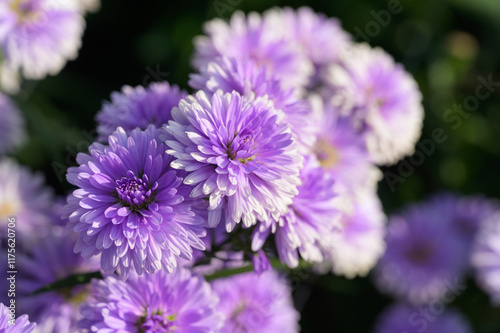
<point>446,45</point>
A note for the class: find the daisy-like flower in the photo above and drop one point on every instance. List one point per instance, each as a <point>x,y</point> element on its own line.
<point>9,324</point>
<point>311,216</point>
<point>12,128</point>
<point>485,257</point>
<point>402,317</point>
<point>52,260</point>
<point>24,198</point>
<point>38,37</point>
<point>355,248</point>
<point>258,39</point>
<point>380,98</point>
<point>246,78</point>
<point>239,153</point>
<point>138,108</point>
<point>339,149</point>
<point>322,38</point>
<point>265,307</point>
<point>161,302</point>
<point>423,255</point>
<point>131,206</point>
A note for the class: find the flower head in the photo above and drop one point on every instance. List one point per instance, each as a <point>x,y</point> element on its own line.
<point>138,108</point>
<point>423,254</point>
<point>239,153</point>
<point>52,260</point>
<point>311,216</point>
<point>24,198</point>
<point>258,39</point>
<point>402,317</point>
<point>266,307</point>
<point>161,302</point>
<point>39,36</point>
<point>21,324</point>
<point>12,130</point>
<point>131,206</point>
<point>380,98</point>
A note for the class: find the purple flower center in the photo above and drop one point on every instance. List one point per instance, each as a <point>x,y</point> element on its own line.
<point>326,153</point>
<point>158,324</point>
<point>135,192</point>
<point>240,148</point>
<point>419,254</point>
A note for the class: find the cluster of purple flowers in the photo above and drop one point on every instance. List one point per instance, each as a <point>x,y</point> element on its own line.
<point>273,156</point>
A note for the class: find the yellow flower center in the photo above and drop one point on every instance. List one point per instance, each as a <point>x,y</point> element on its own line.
<point>24,14</point>
<point>327,155</point>
<point>7,209</point>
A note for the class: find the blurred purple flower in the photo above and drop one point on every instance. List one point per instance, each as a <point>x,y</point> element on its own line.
<point>21,324</point>
<point>401,317</point>
<point>12,127</point>
<point>381,99</point>
<point>311,216</point>
<point>38,37</point>
<point>138,107</point>
<point>161,302</point>
<point>256,304</point>
<point>423,255</point>
<point>239,153</point>
<point>258,39</point>
<point>131,206</point>
<point>260,262</point>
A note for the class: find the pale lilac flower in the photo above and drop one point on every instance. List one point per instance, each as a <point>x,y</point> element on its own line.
<point>239,153</point>
<point>381,99</point>
<point>12,325</point>
<point>12,127</point>
<point>258,39</point>
<point>161,302</point>
<point>138,107</point>
<point>38,37</point>
<point>131,206</point>
<point>256,304</point>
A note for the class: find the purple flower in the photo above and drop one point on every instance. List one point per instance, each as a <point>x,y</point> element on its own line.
<point>256,304</point>
<point>239,153</point>
<point>131,206</point>
<point>161,302</point>
<point>260,262</point>
<point>311,216</point>
<point>52,260</point>
<point>356,247</point>
<point>24,199</point>
<point>138,107</point>
<point>37,37</point>
<point>380,98</point>
<point>12,128</point>
<point>9,324</point>
<point>423,255</point>
<point>485,257</point>
<point>401,317</point>
<point>258,39</point>
<point>246,78</point>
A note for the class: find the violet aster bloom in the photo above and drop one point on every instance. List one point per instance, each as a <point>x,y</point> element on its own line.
<point>381,98</point>
<point>311,216</point>
<point>38,37</point>
<point>256,304</point>
<point>423,255</point>
<point>12,129</point>
<point>401,317</point>
<point>485,257</point>
<point>25,198</point>
<point>260,40</point>
<point>138,107</point>
<point>131,206</point>
<point>161,302</point>
<point>244,77</point>
<point>239,153</point>
<point>355,248</point>
<point>52,260</point>
<point>339,149</point>
<point>11,325</point>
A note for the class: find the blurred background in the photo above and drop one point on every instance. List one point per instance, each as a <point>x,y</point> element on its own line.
<point>450,46</point>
